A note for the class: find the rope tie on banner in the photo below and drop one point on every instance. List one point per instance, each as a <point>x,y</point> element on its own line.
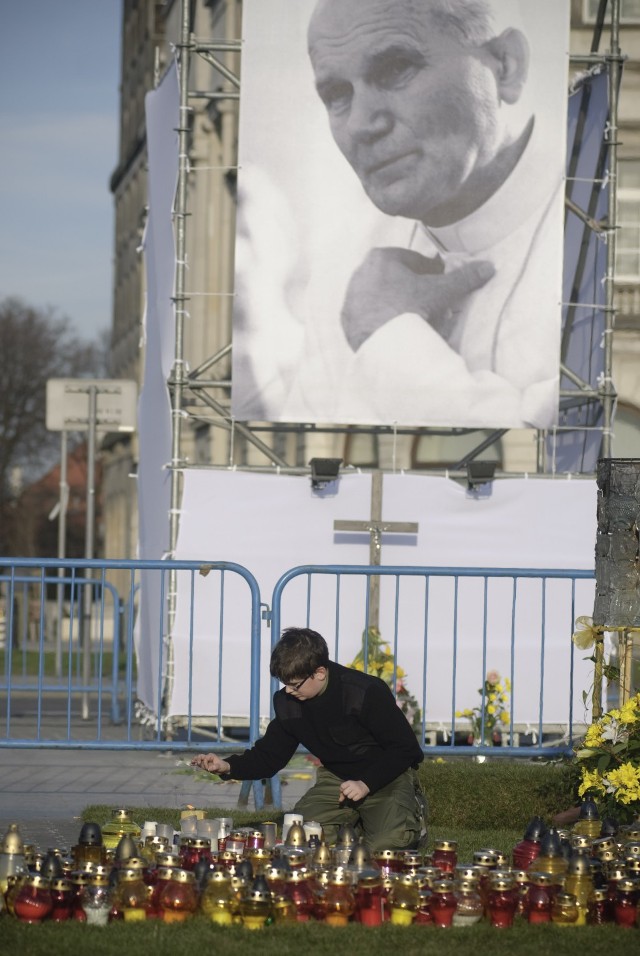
<point>202,169</point>
<point>232,435</point>
<point>395,446</point>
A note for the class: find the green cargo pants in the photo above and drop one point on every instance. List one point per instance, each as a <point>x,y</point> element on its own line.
<point>390,819</point>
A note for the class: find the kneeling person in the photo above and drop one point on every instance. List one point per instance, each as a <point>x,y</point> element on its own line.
<point>352,724</point>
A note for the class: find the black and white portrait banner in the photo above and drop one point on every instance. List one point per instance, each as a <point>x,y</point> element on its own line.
<point>399,246</point>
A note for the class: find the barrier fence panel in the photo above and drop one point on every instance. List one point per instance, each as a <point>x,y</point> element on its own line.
<point>81,667</point>
<point>446,630</point>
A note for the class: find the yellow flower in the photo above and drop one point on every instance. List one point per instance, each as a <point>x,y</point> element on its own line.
<point>628,714</point>
<point>507,684</point>
<point>626,775</point>
<point>491,709</point>
<point>593,736</point>
<point>505,716</point>
<point>499,688</point>
<point>400,672</point>
<point>591,780</point>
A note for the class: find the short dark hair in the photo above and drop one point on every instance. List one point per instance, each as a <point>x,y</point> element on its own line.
<point>299,653</point>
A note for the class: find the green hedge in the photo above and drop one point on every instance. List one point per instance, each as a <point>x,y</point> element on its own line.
<point>498,794</point>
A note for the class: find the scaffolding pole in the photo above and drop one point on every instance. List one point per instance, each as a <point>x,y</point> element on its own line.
<point>608,390</point>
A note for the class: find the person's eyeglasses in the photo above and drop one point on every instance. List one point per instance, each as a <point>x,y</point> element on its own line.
<point>296,687</point>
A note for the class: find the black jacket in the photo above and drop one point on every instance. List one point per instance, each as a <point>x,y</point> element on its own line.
<point>355,728</point>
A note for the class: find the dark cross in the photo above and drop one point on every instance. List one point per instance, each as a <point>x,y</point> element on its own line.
<point>376,527</point>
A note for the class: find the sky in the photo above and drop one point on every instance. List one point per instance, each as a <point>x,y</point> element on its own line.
<point>59,128</point>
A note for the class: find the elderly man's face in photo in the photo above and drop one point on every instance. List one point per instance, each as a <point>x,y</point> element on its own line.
<point>413,110</point>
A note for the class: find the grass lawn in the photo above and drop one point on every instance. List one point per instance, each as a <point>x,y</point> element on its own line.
<point>27,663</point>
<point>200,937</point>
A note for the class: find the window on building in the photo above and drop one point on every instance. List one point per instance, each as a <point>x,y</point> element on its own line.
<point>628,236</point>
<point>629,11</point>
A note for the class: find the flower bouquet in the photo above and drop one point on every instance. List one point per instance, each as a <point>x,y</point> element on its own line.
<point>376,657</point>
<point>609,761</point>
<point>491,714</point>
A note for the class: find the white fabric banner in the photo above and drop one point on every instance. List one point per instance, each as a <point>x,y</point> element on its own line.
<point>269,524</point>
<point>401,198</point>
<point>154,409</point>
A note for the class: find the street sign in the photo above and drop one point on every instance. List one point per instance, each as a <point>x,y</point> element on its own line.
<point>68,404</point>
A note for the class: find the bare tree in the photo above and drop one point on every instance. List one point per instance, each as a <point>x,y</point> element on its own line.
<point>35,345</point>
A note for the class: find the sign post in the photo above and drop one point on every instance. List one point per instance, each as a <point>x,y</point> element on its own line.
<point>83,404</point>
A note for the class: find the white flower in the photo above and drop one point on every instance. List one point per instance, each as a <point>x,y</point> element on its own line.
<point>615,733</point>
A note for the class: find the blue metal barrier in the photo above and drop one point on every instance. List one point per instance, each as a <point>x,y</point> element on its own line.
<point>41,708</point>
<point>456,575</point>
<point>30,719</point>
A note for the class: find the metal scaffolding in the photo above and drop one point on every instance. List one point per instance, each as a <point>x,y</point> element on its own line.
<point>192,387</point>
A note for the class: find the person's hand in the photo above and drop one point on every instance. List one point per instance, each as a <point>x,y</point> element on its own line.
<point>353,790</point>
<point>393,281</point>
<point>211,762</point>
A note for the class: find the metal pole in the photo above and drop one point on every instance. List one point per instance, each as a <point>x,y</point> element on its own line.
<point>62,544</point>
<point>180,299</point>
<point>87,596</point>
<point>608,390</point>
<point>178,376</point>
<point>375,549</point>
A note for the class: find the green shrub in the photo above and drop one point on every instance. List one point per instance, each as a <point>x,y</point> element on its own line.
<point>498,794</point>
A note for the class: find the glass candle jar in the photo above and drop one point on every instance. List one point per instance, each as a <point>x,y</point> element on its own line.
<point>423,913</point>
<point>96,899</point>
<point>62,900</point>
<point>255,840</point>
<point>179,897</point>
<point>217,898</point>
<point>564,910</point>
<point>33,903</point>
<point>299,891</point>
<point>525,852</point>
<point>443,903</point>
<point>131,896</point>
<point>469,905</point>
<point>626,903</point>
<point>260,859</point>
<point>390,862</point>
<point>579,883</point>
<point>588,823</point>
<point>403,900</point>
<point>538,899</point>
<point>502,901</point>
<point>339,902</point>
<point>255,909</point>
<point>283,909</point>
<point>369,901</point>
<point>121,824</point>
<point>599,908</point>
<point>236,842</point>
<point>78,880</point>
<point>445,855</point>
